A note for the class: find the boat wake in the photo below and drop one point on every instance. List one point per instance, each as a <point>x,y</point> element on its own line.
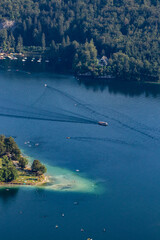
<point>114,116</point>
<point>106,139</point>
<point>45,115</point>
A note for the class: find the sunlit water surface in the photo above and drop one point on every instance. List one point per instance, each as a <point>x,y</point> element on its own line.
<point>119,165</point>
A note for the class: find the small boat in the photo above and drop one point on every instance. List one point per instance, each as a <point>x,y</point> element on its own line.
<point>67,137</point>
<point>103,123</point>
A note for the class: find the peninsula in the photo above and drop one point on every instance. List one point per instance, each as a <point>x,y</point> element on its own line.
<point>14,167</point>
<point>16,170</point>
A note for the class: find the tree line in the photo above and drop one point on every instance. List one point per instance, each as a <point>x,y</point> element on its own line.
<point>10,152</point>
<point>74,33</point>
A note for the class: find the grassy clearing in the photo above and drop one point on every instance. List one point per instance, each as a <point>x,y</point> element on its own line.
<point>27,178</point>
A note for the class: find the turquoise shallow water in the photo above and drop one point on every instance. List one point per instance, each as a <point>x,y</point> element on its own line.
<point>64,180</point>
<point>121,160</point>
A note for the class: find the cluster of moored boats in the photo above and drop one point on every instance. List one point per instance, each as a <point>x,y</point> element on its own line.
<point>11,56</point>
<point>39,60</point>
<point>20,56</point>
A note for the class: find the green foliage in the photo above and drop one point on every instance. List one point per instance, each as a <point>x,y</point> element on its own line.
<point>1,175</point>
<point>23,162</point>
<point>9,146</point>
<point>6,162</point>
<point>86,58</point>
<point>43,42</point>
<point>8,172</point>
<point>9,151</point>
<point>12,148</point>
<point>127,32</point>
<point>19,47</point>
<point>2,148</point>
<point>38,167</point>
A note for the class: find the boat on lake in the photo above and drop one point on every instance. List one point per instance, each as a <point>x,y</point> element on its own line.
<point>103,123</point>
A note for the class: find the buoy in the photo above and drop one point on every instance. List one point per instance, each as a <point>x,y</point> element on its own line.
<point>45,85</point>
<point>62,214</point>
<point>82,230</point>
<point>56,226</point>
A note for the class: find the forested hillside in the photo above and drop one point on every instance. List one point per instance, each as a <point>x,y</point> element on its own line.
<point>75,33</point>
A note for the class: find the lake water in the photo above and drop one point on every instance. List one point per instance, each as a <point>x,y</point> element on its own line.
<point>122,160</point>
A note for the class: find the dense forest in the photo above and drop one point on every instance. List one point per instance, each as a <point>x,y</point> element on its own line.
<point>76,33</point>
<point>12,160</point>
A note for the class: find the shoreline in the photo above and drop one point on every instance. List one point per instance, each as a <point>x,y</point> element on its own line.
<point>60,180</point>
<point>14,183</point>
<point>103,79</point>
<point>57,68</point>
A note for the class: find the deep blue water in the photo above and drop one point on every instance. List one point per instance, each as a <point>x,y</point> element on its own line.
<point>124,157</point>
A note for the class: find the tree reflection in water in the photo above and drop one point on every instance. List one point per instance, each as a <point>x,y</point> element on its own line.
<point>7,194</point>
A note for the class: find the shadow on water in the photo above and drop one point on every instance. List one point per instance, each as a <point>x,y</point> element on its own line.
<point>112,115</point>
<point>126,88</point>
<point>7,194</point>
<point>109,140</point>
<point>114,85</point>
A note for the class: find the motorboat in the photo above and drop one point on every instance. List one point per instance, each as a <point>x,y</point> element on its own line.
<point>103,123</point>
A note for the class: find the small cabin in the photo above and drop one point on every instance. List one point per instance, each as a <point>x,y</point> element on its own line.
<point>103,61</point>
